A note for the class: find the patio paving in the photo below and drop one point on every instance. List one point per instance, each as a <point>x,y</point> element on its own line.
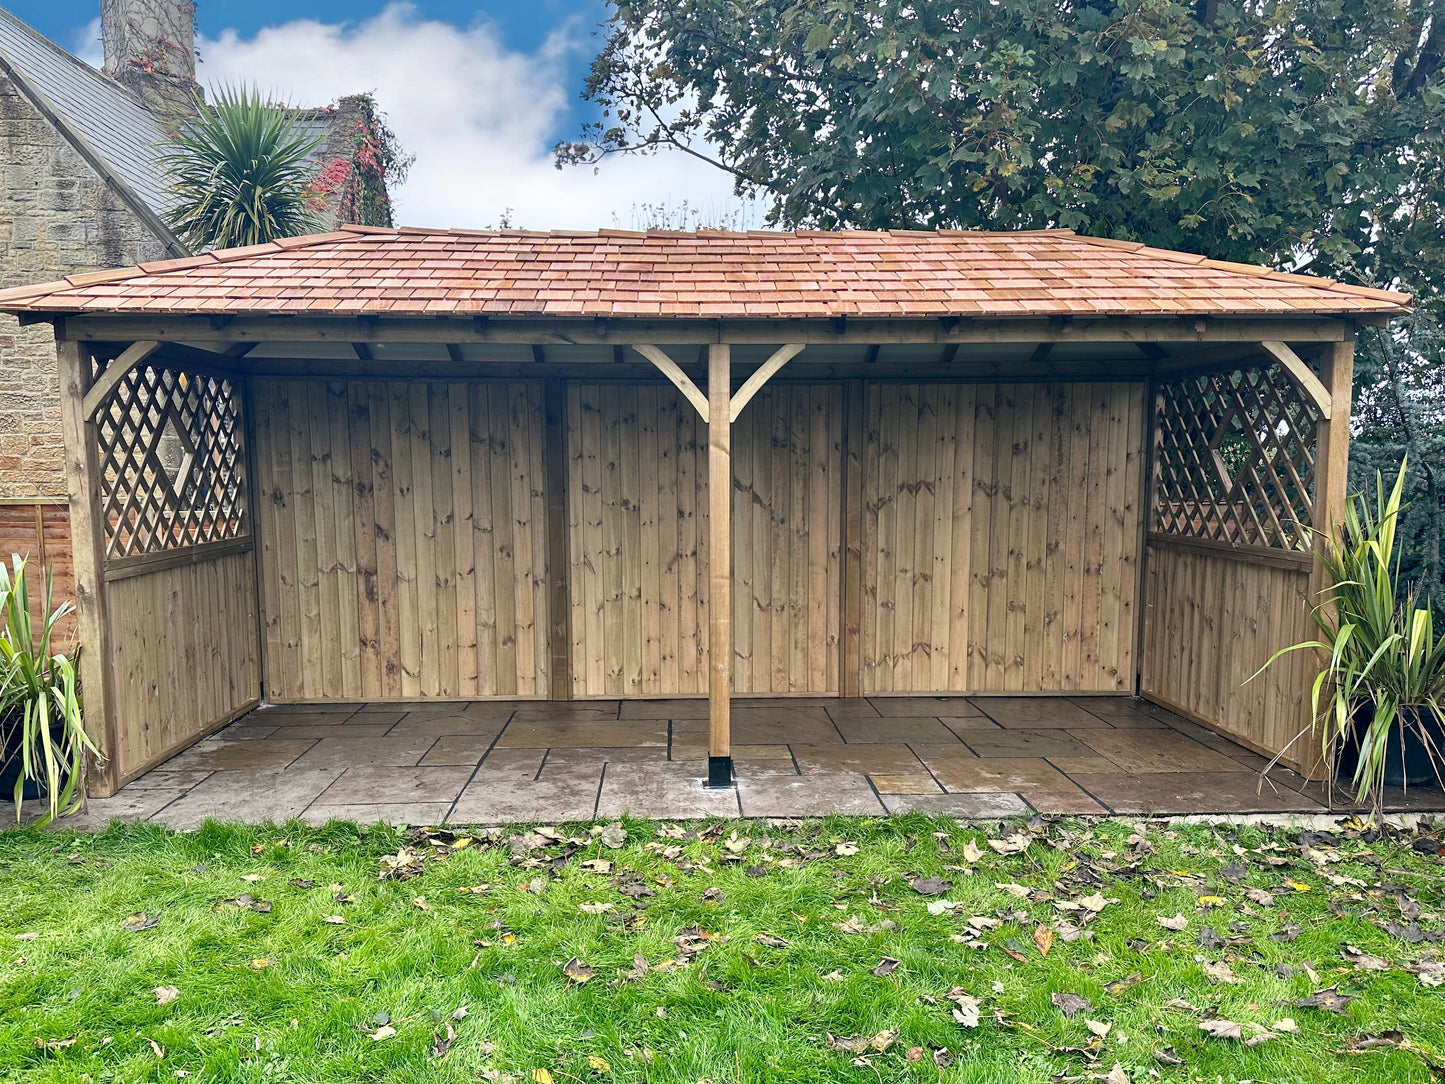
<point>489,763</point>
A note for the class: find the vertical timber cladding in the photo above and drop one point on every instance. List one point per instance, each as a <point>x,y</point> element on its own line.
<point>1000,537</point>
<point>403,539</point>
<point>637,499</point>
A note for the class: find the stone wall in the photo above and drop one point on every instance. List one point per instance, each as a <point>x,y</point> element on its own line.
<point>57,218</point>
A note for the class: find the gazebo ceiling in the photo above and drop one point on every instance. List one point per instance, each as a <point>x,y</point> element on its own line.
<point>364,272</point>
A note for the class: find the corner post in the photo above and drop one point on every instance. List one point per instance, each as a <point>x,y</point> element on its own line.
<point>1332,469</point>
<point>720,571</point>
<point>87,534</point>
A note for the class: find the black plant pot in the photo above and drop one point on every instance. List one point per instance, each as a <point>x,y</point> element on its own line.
<point>1413,754</point>
<point>10,761</point>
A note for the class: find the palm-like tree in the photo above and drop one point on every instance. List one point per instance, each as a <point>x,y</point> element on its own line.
<point>242,173</point>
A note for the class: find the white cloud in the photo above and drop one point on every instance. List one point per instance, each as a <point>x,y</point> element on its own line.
<point>480,118</point>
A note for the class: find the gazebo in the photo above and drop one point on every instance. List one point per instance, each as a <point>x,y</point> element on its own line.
<point>409,465</point>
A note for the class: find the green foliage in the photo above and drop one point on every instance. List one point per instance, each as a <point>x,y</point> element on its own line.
<point>1250,133</point>
<point>1384,657</point>
<point>241,173</point>
<point>40,715</point>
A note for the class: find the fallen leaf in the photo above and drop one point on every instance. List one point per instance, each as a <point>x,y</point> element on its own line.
<point>1070,1004</point>
<point>156,1048</point>
<point>1228,1029</point>
<point>1043,938</point>
<point>1329,999</point>
<point>1012,845</point>
<point>1118,986</point>
<point>860,1043</point>
<point>1287,1025</point>
<point>966,1008</point>
<point>1363,961</point>
<point>541,1076</point>
<point>441,1042</point>
<point>1259,896</point>
<point>613,836</point>
<point>771,941</point>
<point>140,921</point>
<point>595,908</point>
<point>386,1031</point>
<point>1178,922</point>
<point>846,850</point>
<point>1429,972</point>
<point>971,851</point>
<point>1116,1075</point>
<point>26,936</point>
<point>1219,971</point>
<point>596,1064</point>
<point>577,971</point>
<point>885,967</point>
<point>335,920</point>
<point>166,994</point>
<point>1099,1028</point>
<point>930,886</point>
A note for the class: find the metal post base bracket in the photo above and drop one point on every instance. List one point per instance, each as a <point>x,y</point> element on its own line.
<point>719,773</point>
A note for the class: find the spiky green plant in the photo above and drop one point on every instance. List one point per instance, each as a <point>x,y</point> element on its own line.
<point>40,712</point>
<point>242,173</point>
<point>1384,661</point>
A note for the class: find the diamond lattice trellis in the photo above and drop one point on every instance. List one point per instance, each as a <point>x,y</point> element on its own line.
<point>1235,456</point>
<point>172,462</point>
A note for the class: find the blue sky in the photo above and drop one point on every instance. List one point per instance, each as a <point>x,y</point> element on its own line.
<point>478,91</point>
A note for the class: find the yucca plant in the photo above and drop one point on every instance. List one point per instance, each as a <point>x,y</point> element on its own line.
<point>40,717</point>
<point>242,173</point>
<point>1381,689</point>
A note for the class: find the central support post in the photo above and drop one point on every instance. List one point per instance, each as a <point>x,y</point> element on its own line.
<point>720,567</point>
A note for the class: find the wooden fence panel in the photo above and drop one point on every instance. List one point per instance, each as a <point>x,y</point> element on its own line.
<point>637,513</point>
<point>1212,621</point>
<point>1000,537</point>
<point>40,532</point>
<point>403,546</point>
<point>184,655</point>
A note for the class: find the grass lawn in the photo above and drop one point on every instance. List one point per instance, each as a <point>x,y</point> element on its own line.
<point>904,949</point>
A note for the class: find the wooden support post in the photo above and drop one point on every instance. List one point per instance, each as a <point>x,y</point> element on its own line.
<point>1332,467</point>
<point>559,603</point>
<point>87,534</point>
<point>720,567</point>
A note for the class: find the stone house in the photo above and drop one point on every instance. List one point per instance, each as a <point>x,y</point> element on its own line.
<point>80,191</point>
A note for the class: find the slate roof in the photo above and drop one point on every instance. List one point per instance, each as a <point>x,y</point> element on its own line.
<point>705,275</point>
<point>107,116</point>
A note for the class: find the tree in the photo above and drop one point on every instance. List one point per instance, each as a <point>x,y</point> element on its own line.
<point>1304,134</point>
<point>242,173</point>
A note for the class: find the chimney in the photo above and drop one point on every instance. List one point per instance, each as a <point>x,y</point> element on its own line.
<point>150,48</point>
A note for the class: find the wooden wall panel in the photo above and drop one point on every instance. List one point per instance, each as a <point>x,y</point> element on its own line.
<point>40,532</point>
<point>403,541</point>
<point>1212,620</point>
<point>184,654</point>
<point>1000,537</point>
<point>637,514</point>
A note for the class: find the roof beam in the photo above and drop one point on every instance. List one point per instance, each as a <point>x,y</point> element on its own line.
<point>362,351</point>
<point>673,372</point>
<point>1301,374</point>
<point>454,352</point>
<point>761,376</point>
<point>127,327</point>
<point>114,372</point>
<point>1041,353</point>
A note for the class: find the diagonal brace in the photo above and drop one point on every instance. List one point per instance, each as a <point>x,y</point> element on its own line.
<point>1302,375</point>
<point>114,373</point>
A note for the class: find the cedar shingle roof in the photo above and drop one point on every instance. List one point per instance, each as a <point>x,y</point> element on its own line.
<point>709,275</point>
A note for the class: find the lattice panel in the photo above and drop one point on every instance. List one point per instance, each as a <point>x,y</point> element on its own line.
<point>1235,458</point>
<point>172,462</point>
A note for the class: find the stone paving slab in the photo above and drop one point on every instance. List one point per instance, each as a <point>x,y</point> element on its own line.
<point>980,805</point>
<point>338,753</point>
<point>771,792</point>
<point>378,784</point>
<point>895,729</point>
<point>432,813</point>
<point>251,797</point>
<point>662,792</point>
<point>219,754</point>
<point>503,797</point>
